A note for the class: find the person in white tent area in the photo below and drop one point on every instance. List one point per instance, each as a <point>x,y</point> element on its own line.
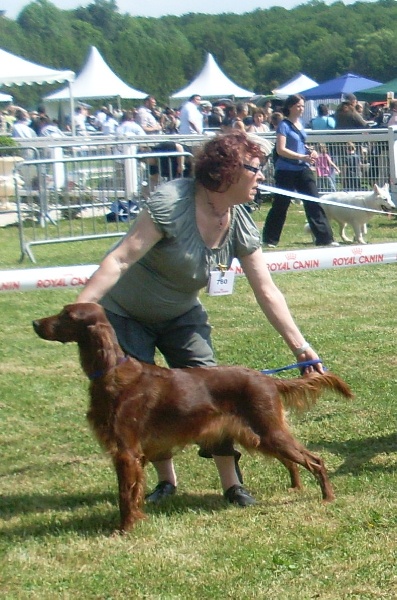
<point>191,118</point>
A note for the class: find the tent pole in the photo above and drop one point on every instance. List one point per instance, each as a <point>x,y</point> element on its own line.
<point>72,124</point>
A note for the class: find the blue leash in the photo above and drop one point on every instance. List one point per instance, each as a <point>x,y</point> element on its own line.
<point>301,365</point>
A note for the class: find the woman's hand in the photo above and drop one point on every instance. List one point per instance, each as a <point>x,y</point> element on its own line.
<point>306,355</point>
<point>311,156</point>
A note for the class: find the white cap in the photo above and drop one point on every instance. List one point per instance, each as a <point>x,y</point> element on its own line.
<point>265,144</point>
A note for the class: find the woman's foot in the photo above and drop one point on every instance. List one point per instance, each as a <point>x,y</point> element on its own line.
<point>237,494</point>
<point>163,490</point>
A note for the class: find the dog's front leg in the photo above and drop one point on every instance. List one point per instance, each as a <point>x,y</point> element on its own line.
<point>129,471</point>
<point>342,232</point>
<point>358,234</point>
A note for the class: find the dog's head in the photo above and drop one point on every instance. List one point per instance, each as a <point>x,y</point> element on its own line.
<point>383,199</point>
<point>71,324</point>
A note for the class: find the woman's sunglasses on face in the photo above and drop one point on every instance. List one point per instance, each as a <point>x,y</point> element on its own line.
<point>255,169</point>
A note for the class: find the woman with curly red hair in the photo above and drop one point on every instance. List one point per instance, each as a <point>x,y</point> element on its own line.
<point>149,284</point>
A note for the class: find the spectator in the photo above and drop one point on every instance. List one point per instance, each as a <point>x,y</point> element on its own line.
<point>258,125</point>
<point>216,117</point>
<point>79,118</point>
<point>21,126</point>
<point>146,118</point>
<point>346,115</point>
<point>49,128</point>
<point>267,110</point>
<point>241,114</point>
<point>100,118</point>
<point>230,115</point>
<point>37,119</point>
<point>9,117</point>
<point>169,167</point>
<point>323,119</point>
<point>275,119</point>
<point>205,107</point>
<point>191,118</point>
<point>351,168</point>
<point>326,170</point>
<point>360,109</point>
<point>249,120</point>
<point>293,172</point>
<point>381,115</point>
<point>128,125</point>
<point>110,124</point>
<point>170,122</point>
<point>393,114</point>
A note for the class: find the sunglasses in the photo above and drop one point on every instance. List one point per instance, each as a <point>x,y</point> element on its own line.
<point>253,169</point>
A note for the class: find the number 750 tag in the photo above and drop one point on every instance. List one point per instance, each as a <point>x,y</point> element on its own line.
<point>220,283</point>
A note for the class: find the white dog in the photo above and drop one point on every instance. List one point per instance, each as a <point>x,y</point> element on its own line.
<point>378,199</point>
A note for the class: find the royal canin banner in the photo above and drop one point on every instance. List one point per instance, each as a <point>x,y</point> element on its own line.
<point>51,278</point>
<point>314,259</point>
<point>288,261</point>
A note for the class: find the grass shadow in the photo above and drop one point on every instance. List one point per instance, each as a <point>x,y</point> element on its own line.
<point>358,453</point>
<point>56,523</point>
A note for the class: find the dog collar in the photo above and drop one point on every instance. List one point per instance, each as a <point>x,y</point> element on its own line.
<point>98,374</point>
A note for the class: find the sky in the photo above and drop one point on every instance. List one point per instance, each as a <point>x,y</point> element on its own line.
<point>159,8</point>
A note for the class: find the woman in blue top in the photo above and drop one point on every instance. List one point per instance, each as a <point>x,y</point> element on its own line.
<point>293,172</point>
<point>149,283</point>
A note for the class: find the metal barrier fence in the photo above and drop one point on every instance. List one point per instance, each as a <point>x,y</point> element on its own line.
<point>363,158</point>
<point>76,190</point>
<point>76,193</point>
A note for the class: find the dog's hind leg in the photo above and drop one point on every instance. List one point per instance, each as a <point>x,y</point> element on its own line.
<point>283,446</point>
<point>296,483</point>
<point>129,471</point>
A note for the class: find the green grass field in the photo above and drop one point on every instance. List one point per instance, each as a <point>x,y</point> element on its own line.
<point>58,490</point>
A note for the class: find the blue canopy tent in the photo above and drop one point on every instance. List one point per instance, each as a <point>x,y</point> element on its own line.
<point>336,88</point>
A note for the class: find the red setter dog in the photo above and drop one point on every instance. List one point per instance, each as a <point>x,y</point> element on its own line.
<point>140,411</point>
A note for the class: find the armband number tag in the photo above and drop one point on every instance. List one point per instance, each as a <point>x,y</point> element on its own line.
<point>220,283</point>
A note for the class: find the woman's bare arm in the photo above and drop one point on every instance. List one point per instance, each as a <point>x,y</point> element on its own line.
<point>274,305</point>
<point>142,236</point>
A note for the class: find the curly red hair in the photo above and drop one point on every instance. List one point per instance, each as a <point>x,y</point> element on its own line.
<point>219,162</point>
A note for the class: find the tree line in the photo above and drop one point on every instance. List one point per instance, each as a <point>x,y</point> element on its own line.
<point>258,50</point>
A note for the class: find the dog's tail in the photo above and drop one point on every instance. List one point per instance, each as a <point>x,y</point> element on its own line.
<point>301,393</point>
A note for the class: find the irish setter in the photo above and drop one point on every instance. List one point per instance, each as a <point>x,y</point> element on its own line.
<point>140,411</point>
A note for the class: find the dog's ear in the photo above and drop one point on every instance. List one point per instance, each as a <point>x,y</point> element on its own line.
<point>89,312</point>
<point>376,189</point>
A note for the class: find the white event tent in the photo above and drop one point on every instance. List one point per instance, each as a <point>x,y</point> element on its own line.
<point>96,80</point>
<point>5,97</point>
<point>211,82</point>
<point>15,70</point>
<point>296,85</point>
